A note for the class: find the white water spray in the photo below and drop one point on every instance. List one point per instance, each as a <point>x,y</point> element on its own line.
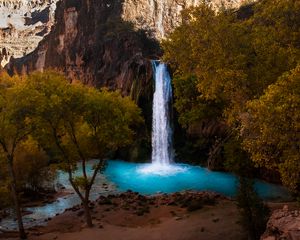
<point>162,144</point>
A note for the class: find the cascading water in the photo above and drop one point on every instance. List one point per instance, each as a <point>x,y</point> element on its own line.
<point>162,144</point>
<point>162,149</point>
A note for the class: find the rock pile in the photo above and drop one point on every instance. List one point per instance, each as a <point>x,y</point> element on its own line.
<point>140,204</point>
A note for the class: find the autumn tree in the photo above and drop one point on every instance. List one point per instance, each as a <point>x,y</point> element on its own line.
<point>33,170</point>
<point>5,199</point>
<point>14,129</point>
<point>254,213</point>
<point>77,124</point>
<point>271,128</point>
<point>223,59</point>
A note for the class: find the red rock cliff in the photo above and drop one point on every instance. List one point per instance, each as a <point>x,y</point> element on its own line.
<point>91,42</point>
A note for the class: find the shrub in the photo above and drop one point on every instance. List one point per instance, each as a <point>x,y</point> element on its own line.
<point>254,213</point>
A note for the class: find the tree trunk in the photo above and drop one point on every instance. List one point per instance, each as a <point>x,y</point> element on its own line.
<point>84,200</point>
<point>17,204</point>
<point>87,213</point>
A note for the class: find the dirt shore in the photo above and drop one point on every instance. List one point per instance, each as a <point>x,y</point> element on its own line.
<point>130,216</point>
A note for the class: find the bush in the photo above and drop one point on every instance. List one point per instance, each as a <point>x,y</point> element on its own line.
<point>32,167</point>
<point>5,200</point>
<point>237,160</point>
<point>254,213</point>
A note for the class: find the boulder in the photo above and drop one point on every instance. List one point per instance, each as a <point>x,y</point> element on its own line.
<point>283,224</point>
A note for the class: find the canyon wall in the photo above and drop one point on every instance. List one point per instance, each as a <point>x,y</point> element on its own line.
<point>23,24</point>
<point>92,43</point>
<point>160,17</point>
<point>105,42</point>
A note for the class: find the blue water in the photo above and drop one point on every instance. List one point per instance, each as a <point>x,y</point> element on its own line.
<point>121,176</point>
<point>128,176</point>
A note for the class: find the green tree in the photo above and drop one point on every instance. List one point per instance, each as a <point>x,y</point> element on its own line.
<point>33,172</point>
<point>271,128</point>
<point>222,60</point>
<point>208,53</point>
<point>14,129</point>
<point>78,123</point>
<point>5,199</point>
<point>254,213</point>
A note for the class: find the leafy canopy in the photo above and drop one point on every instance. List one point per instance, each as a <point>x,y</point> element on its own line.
<point>223,61</point>
<point>272,129</point>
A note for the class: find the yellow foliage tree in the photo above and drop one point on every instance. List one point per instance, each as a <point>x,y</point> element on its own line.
<point>271,128</point>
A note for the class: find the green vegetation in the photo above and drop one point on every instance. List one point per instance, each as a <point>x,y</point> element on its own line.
<point>44,117</point>
<point>15,127</point>
<point>32,168</point>
<point>232,67</point>
<point>271,128</point>
<point>78,124</point>
<point>254,213</point>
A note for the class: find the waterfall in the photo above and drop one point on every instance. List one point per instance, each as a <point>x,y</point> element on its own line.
<point>162,144</point>
<point>162,149</point>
